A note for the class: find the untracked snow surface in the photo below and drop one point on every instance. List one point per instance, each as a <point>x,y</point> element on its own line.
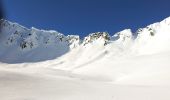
<point>47,65</point>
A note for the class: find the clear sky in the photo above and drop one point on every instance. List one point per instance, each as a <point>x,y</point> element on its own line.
<point>85,16</point>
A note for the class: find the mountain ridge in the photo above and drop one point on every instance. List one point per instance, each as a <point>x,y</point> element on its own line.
<point>18,43</point>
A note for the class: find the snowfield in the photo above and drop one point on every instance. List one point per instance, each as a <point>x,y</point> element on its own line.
<point>47,65</point>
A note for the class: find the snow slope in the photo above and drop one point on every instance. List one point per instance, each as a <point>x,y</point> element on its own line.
<point>47,65</point>
<point>45,84</point>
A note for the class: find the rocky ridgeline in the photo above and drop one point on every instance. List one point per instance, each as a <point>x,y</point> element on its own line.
<point>25,38</point>
<point>95,36</point>
<point>16,34</point>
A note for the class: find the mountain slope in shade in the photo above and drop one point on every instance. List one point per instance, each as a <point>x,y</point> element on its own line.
<point>19,44</point>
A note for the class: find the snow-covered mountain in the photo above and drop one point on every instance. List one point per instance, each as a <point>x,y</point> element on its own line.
<point>20,44</point>
<point>48,65</point>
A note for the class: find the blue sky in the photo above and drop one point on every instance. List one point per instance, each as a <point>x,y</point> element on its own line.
<point>85,16</point>
<point>1,11</point>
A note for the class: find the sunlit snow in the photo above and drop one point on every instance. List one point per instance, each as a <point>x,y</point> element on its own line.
<point>48,65</point>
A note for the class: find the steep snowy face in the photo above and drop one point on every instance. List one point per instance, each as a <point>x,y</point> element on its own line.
<point>14,33</point>
<point>154,38</point>
<point>124,37</point>
<point>19,44</point>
